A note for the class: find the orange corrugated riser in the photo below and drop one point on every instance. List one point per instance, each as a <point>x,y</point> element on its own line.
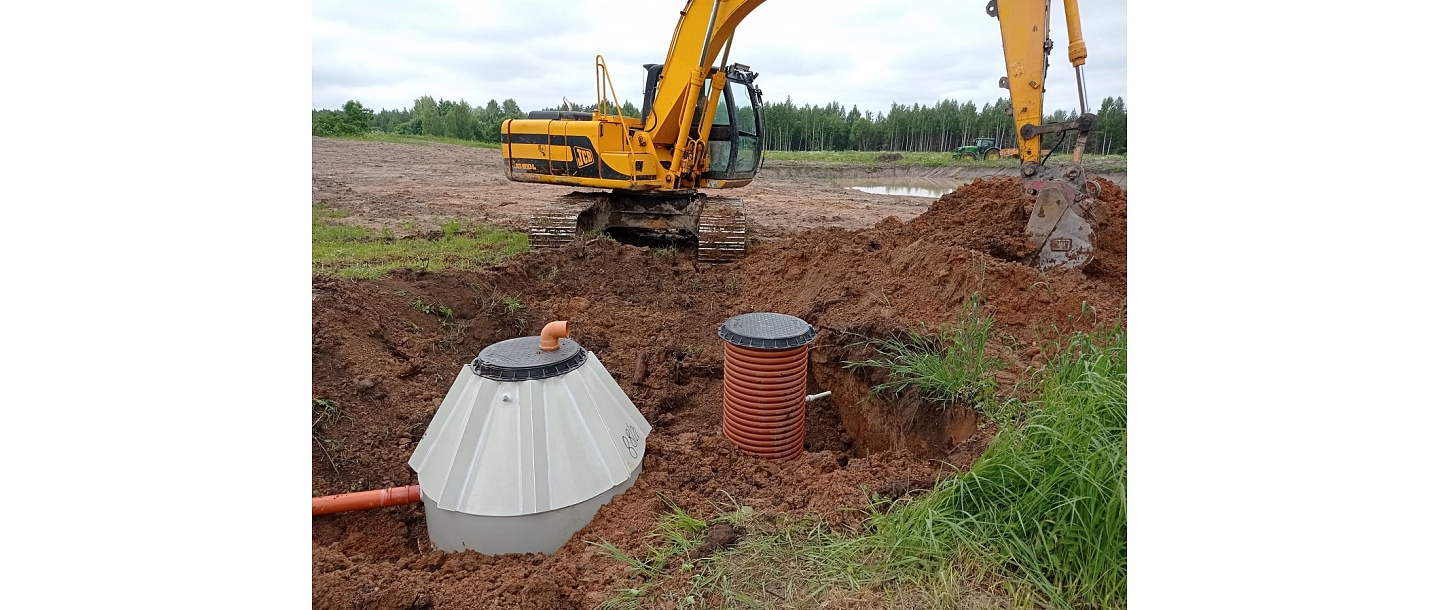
<point>765,400</point>
<point>766,368</point>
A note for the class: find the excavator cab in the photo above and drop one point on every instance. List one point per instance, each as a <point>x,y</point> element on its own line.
<point>736,135</point>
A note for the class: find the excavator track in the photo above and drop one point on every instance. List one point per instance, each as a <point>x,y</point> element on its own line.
<point>721,230</point>
<point>718,222</point>
<point>557,224</point>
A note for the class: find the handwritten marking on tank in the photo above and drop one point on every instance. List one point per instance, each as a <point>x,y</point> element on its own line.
<point>631,438</point>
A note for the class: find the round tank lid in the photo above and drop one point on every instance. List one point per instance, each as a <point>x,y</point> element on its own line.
<point>767,331</point>
<point>521,360</point>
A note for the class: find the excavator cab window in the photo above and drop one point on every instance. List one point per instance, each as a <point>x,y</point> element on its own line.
<point>735,132</point>
<point>720,145</point>
<point>747,124</point>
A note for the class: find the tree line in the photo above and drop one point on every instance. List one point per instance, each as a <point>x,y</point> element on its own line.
<point>942,127</point>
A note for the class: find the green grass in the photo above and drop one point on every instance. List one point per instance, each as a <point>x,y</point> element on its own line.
<point>376,136</point>
<point>678,532</point>
<point>1097,163</point>
<point>325,411</point>
<point>434,310</point>
<point>948,366</point>
<point>351,251</point>
<point>778,563</point>
<point>1045,506</point>
<point>514,311</point>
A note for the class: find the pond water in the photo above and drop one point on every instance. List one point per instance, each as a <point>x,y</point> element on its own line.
<point>928,188</point>
<point>907,191</point>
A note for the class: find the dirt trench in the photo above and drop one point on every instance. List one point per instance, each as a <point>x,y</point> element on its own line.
<point>650,316</point>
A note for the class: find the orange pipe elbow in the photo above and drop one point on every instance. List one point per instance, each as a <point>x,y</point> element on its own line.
<point>552,333</point>
<point>361,500</point>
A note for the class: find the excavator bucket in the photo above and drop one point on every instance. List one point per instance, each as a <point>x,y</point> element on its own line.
<point>1060,227</point>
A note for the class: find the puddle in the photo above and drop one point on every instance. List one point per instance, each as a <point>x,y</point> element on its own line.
<point>906,191</point>
<point>928,188</point>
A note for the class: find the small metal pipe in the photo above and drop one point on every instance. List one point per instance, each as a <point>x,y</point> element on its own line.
<point>725,58</point>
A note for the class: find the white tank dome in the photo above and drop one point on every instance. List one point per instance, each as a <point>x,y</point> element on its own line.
<point>525,448</point>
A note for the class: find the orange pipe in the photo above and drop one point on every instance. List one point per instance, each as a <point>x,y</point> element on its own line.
<point>766,415</point>
<point>771,451</point>
<point>552,333</point>
<point>362,500</point>
<point>764,400</point>
<point>745,430</point>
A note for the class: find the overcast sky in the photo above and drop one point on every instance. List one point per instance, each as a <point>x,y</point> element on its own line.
<point>863,53</point>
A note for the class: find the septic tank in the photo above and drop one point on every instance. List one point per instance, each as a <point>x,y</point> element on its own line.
<point>532,439</point>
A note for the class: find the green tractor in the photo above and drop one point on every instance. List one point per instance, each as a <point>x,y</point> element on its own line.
<point>983,148</point>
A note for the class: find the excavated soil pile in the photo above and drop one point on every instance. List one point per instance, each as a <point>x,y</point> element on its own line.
<point>386,351</point>
<point>990,215</point>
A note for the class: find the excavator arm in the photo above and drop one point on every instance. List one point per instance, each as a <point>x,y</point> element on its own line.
<point>706,27</point>
<point>1060,224</point>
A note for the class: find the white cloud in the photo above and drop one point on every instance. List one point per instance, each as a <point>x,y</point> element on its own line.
<point>387,53</point>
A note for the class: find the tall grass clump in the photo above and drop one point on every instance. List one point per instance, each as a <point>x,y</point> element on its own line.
<point>1045,506</point>
<point>947,366</point>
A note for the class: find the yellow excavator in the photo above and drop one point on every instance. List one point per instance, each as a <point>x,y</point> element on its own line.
<point>701,127</point>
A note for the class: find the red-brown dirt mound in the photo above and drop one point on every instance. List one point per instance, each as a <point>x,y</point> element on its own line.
<point>384,353</point>
<point>924,270</point>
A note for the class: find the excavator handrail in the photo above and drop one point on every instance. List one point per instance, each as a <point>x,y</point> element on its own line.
<point>602,78</point>
<point>601,69</point>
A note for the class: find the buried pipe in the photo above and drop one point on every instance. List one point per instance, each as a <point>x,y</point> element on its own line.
<point>815,397</point>
<point>361,500</point>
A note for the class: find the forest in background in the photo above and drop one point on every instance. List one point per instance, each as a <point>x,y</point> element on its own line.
<point>942,127</point>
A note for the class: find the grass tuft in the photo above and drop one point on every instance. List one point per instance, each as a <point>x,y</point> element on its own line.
<point>678,532</point>
<point>434,310</point>
<point>948,366</point>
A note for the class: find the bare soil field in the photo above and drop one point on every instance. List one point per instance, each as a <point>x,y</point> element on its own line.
<point>852,264</point>
<point>389,184</point>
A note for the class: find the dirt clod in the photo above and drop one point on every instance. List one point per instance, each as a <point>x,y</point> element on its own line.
<point>542,592</point>
<point>718,537</point>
